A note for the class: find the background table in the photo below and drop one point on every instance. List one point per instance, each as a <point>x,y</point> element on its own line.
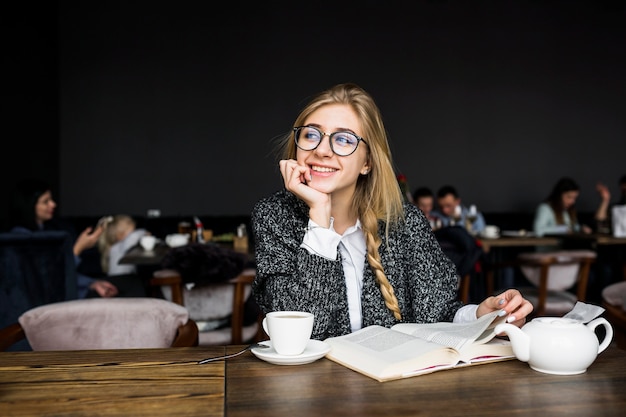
<point>517,242</point>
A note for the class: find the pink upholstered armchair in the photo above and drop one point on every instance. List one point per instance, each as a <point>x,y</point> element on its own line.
<point>103,323</point>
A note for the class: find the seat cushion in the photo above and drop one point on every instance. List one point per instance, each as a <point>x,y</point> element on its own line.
<point>560,277</point>
<point>103,323</point>
<point>615,294</point>
<point>223,336</point>
<point>210,304</point>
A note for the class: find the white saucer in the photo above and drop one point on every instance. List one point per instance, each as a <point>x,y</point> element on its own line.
<point>496,236</point>
<point>314,350</point>
<point>517,233</point>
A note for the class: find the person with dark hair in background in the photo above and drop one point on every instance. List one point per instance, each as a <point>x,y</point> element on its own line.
<point>32,210</point>
<point>453,213</point>
<point>557,214</point>
<point>339,240</point>
<point>622,188</point>
<point>424,199</point>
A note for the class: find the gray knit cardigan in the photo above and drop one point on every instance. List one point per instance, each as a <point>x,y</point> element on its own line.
<point>290,278</point>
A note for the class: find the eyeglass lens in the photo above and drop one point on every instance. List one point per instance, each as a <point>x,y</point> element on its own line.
<point>341,143</point>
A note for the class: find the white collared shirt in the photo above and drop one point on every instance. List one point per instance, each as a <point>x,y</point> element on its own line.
<point>324,242</point>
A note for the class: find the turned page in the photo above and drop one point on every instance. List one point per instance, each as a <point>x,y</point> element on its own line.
<point>454,335</point>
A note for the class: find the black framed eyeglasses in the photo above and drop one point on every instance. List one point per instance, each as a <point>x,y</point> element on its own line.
<point>342,143</point>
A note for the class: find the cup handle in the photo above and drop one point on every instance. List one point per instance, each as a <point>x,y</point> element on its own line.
<point>601,321</point>
<point>265,326</point>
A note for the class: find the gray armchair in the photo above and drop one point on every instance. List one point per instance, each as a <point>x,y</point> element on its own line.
<point>35,269</point>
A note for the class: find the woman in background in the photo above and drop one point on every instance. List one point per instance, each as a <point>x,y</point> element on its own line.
<point>32,210</point>
<point>557,214</point>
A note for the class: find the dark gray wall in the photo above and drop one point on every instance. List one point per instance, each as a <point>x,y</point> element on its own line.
<point>177,106</point>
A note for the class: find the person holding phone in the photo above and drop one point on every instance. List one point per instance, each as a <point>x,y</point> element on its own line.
<point>340,242</point>
<point>33,208</point>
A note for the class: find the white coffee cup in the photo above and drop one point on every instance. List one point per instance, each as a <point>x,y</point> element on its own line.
<point>491,231</point>
<point>289,331</point>
<point>177,239</point>
<point>147,242</point>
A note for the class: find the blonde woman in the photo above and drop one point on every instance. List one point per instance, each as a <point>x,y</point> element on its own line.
<point>340,242</point>
<point>119,236</point>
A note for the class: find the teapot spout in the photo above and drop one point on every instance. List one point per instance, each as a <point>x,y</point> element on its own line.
<point>520,341</point>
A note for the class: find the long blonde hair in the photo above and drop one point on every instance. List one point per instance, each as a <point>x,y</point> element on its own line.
<point>110,236</point>
<point>377,196</point>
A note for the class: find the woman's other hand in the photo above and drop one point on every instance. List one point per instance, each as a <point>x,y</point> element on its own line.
<point>517,308</point>
<point>87,239</point>
<point>604,192</point>
<point>104,288</point>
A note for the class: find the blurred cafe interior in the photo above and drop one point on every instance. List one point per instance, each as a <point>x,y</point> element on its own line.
<point>171,113</point>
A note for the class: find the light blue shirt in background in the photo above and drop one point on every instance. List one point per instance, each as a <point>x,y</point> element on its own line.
<point>545,222</point>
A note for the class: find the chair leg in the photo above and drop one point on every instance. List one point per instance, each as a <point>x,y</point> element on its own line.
<point>464,288</point>
<point>543,290</point>
<point>583,278</point>
<point>237,316</point>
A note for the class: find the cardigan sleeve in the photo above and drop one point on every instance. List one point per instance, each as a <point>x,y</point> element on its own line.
<point>288,276</point>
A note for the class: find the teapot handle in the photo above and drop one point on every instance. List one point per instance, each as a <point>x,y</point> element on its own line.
<point>601,321</point>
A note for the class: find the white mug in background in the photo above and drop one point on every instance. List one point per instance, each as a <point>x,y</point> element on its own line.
<point>147,242</point>
<point>289,331</point>
<point>175,240</point>
<point>491,231</point>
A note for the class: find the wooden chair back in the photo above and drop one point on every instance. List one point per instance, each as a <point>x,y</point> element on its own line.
<point>547,301</point>
<point>172,279</point>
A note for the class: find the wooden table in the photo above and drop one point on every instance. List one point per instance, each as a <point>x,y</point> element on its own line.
<point>514,241</point>
<point>611,248</point>
<point>325,388</point>
<point>139,256</point>
<point>153,382</point>
<point>126,382</point>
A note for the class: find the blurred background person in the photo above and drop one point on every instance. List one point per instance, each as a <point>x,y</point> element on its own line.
<point>557,213</point>
<point>424,199</point>
<point>32,210</point>
<point>622,187</point>
<point>120,234</point>
<point>453,213</point>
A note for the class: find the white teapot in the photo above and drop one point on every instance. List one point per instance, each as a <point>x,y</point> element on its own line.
<point>556,345</point>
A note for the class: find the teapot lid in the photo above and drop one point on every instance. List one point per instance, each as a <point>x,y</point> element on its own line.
<point>556,321</point>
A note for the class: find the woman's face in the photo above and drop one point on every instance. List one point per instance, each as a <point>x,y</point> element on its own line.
<point>569,198</point>
<point>331,173</point>
<point>44,208</point>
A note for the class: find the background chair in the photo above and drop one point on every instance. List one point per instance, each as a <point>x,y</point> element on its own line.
<point>614,301</point>
<point>35,269</point>
<point>464,251</point>
<point>554,276</point>
<point>103,323</point>
<point>218,308</point>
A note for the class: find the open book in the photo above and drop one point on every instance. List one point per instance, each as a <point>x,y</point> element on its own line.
<point>410,349</point>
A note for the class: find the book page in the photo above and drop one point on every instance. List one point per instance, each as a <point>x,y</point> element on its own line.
<point>385,354</point>
<point>454,335</point>
<point>494,350</point>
